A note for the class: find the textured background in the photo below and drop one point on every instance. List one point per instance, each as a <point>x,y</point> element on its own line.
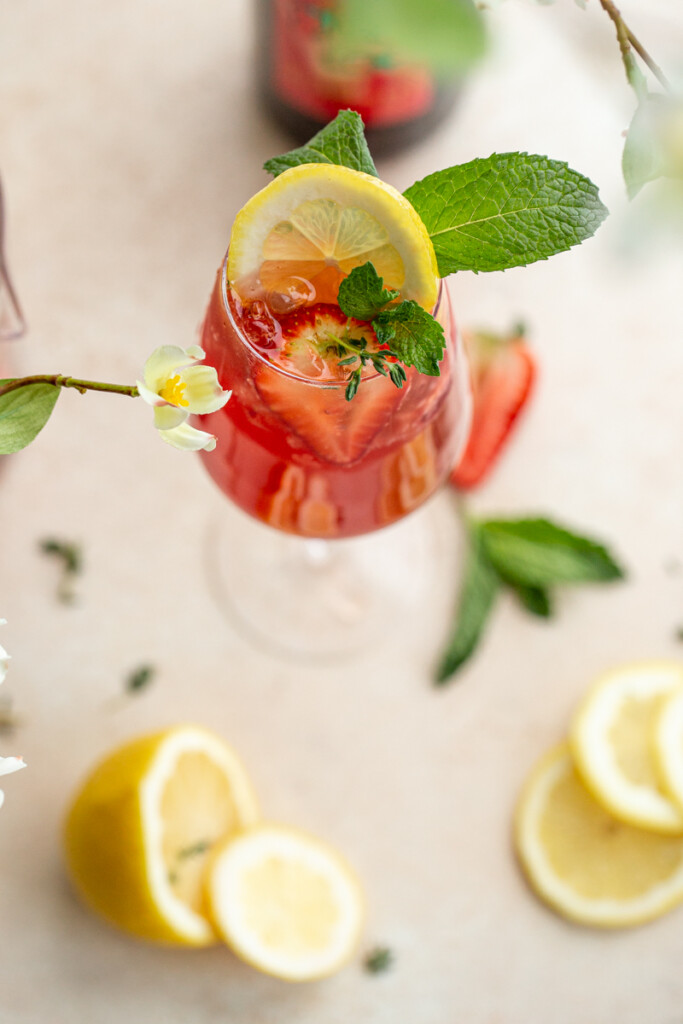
<point>129,138</point>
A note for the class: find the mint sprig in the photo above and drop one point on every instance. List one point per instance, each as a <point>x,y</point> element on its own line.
<point>341,142</point>
<point>529,557</point>
<point>505,211</point>
<point>411,334</point>
<point>362,294</point>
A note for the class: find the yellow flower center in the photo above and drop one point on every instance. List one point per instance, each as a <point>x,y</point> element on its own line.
<point>173,391</point>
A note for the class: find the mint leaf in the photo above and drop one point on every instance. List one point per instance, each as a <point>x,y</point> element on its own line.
<point>23,414</point>
<point>539,553</point>
<point>413,335</point>
<point>479,588</point>
<point>536,600</point>
<point>342,142</point>
<point>505,211</point>
<point>446,35</point>
<point>362,294</point>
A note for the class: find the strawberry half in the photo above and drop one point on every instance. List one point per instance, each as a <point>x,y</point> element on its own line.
<point>503,371</point>
<point>334,429</point>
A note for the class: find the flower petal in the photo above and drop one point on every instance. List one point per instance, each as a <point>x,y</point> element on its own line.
<point>166,417</point>
<point>203,392</point>
<point>188,438</point>
<point>164,362</point>
<point>4,662</point>
<point>11,764</point>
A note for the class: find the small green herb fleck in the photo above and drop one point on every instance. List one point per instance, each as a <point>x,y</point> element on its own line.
<point>9,721</point>
<point>139,678</point>
<point>679,634</point>
<point>195,850</point>
<point>379,960</point>
<point>71,557</point>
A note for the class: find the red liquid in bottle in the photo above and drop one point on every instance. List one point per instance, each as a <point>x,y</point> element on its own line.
<point>294,453</point>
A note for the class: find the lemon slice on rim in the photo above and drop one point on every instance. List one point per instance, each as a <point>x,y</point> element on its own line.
<point>585,863</point>
<point>314,223</point>
<point>142,827</point>
<point>612,739</point>
<point>285,902</point>
<point>669,745</point>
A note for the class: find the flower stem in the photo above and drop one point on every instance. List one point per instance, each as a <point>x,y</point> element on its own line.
<point>58,380</point>
<point>627,42</point>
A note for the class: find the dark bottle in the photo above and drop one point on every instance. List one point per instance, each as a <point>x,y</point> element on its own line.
<point>304,84</point>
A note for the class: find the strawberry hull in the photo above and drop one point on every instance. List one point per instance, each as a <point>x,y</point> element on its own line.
<point>292,452</point>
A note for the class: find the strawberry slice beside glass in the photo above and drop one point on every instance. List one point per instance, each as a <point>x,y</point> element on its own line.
<point>503,371</point>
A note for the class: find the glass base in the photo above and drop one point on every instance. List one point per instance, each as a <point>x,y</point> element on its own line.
<point>321,600</point>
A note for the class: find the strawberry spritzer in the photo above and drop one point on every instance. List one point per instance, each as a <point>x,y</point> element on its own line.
<point>292,451</point>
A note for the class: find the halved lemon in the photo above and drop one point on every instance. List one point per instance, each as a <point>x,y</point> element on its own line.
<point>669,745</point>
<point>143,825</point>
<point>285,902</point>
<point>612,739</point>
<point>585,863</point>
<point>314,223</point>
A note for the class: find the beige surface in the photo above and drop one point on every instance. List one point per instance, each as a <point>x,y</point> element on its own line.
<point>128,140</point>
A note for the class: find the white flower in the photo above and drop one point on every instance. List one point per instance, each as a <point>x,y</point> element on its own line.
<point>8,765</point>
<point>4,656</point>
<point>177,387</point>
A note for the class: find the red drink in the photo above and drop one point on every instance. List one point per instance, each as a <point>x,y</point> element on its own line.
<point>295,454</point>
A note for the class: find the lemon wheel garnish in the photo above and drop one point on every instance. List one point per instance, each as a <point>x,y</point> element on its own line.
<point>612,740</point>
<point>316,222</point>
<point>668,743</point>
<point>585,863</point>
<point>285,903</point>
<point>142,827</point>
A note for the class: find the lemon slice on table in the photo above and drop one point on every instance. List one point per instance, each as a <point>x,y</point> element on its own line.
<point>585,863</point>
<point>285,902</point>
<point>142,827</point>
<point>314,223</point>
<point>669,745</point>
<point>612,738</point>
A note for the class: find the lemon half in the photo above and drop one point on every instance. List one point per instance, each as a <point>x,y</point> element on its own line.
<point>142,827</point>
<point>612,738</point>
<point>285,902</point>
<point>585,863</point>
<point>316,222</point>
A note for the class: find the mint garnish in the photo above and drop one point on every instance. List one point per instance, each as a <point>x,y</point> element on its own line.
<point>411,334</point>
<point>446,35</point>
<point>342,142</point>
<point>480,585</point>
<point>506,211</point>
<point>414,336</point>
<point>528,557</point>
<point>539,553</point>
<point>362,294</point>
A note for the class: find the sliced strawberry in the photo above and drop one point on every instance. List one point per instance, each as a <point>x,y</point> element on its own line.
<point>503,372</point>
<point>334,429</point>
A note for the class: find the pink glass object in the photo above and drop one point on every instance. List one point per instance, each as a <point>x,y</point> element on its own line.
<point>12,324</point>
<point>335,549</point>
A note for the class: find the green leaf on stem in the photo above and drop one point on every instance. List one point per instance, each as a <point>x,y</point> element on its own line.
<point>23,414</point>
<point>479,587</point>
<point>362,294</point>
<point>413,335</point>
<point>537,553</point>
<point>342,142</point>
<point>505,211</point>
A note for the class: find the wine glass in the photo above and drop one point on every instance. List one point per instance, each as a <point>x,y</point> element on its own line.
<point>308,573</point>
<point>12,324</point>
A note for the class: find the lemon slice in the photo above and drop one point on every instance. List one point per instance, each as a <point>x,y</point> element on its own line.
<point>314,223</point>
<point>669,745</point>
<point>285,902</point>
<point>585,863</point>
<point>141,829</point>
<point>612,739</point>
